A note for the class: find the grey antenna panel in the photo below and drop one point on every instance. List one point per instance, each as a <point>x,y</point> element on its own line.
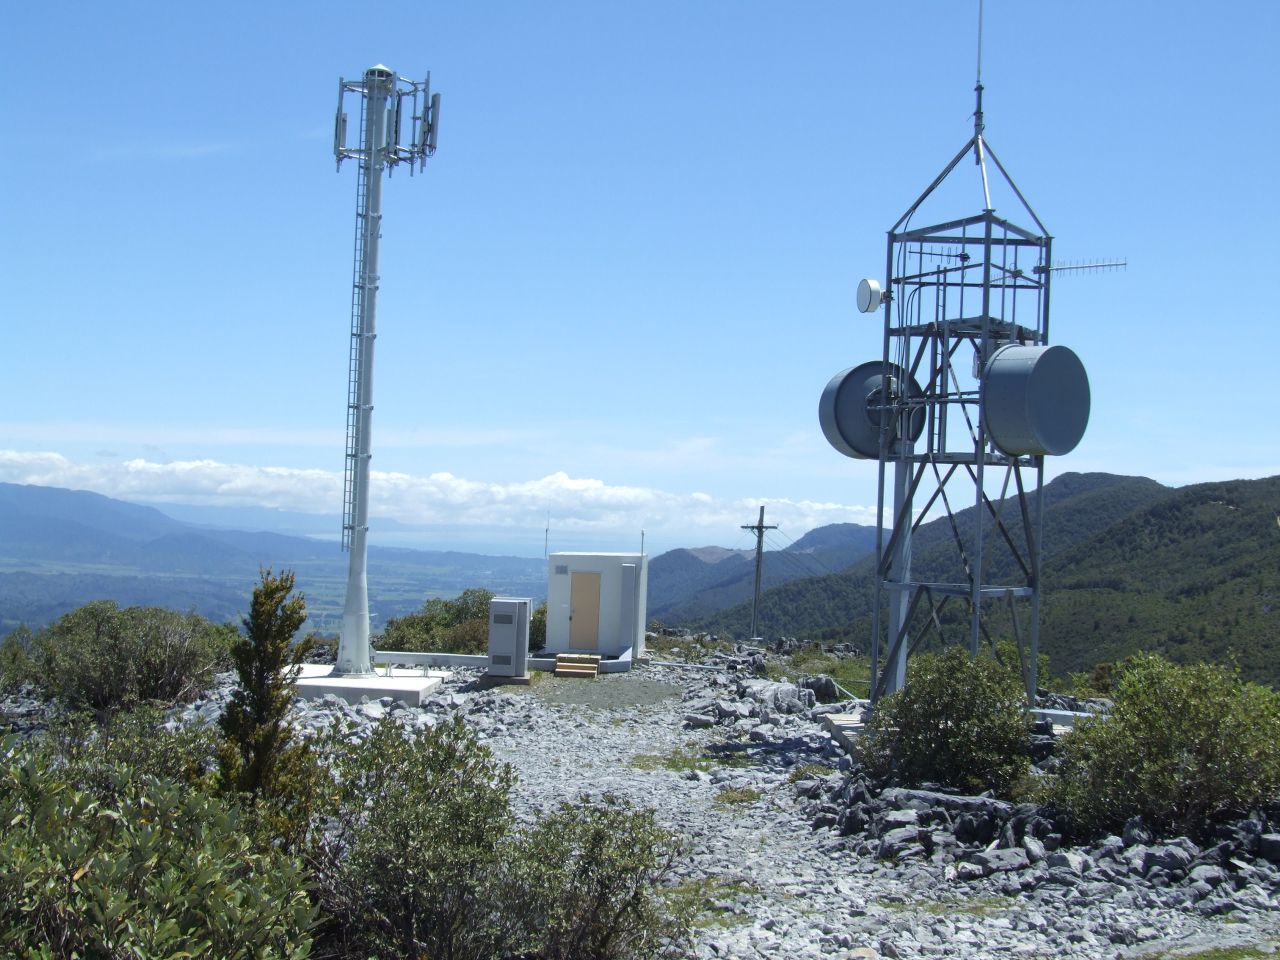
<point>1035,400</point>
<point>849,414</point>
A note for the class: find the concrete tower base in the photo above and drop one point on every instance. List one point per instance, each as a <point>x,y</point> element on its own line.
<point>406,684</point>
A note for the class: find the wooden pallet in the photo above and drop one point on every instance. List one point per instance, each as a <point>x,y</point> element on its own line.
<point>577,665</point>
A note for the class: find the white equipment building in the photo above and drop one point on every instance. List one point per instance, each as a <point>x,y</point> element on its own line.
<point>597,603</point>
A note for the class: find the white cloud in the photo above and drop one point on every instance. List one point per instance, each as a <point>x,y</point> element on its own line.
<point>574,503</point>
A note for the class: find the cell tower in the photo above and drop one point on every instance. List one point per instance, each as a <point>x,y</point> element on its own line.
<point>967,397</point>
<point>386,101</point>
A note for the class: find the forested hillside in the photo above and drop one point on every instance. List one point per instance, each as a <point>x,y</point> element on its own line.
<point>1195,576</point>
<point>1129,565</point>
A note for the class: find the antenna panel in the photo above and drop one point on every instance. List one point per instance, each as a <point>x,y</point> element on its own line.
<point>435,123</point>
<point>1035,400</point>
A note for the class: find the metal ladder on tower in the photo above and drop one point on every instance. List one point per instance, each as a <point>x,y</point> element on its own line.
<point>358,288</point>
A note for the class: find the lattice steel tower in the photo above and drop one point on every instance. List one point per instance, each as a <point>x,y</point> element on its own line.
<point>386,101</point>
<point>968,397</point>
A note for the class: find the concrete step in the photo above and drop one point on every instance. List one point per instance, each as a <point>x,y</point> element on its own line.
<point>584,672</point>
<point>577,665</point>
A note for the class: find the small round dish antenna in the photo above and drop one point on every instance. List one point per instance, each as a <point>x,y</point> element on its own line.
<point>1035,400</point>
<point>850,409</point>
<point>869,296</point>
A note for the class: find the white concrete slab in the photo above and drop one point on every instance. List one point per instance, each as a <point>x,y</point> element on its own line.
<point>844,728</point>
<point>407,684</point>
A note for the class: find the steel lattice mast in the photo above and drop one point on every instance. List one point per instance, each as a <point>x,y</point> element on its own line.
<point>383,100</point>
<point>967,400</point>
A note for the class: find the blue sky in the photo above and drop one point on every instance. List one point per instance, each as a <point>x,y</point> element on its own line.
<point>618,290</point>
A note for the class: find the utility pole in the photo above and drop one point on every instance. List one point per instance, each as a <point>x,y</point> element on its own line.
<point>759,528</point>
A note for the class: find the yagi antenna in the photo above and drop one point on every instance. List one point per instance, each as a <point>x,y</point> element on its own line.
<point>1097,266</point>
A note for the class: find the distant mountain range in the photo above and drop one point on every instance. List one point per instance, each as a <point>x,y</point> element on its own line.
<point>690,584</point>
<point>62,548</point>
<point>1129,565</point>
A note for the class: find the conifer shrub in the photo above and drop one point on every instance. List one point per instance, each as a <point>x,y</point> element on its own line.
<point>103,658</point>
<point>138,866</point>
<point>960,721</point>
<point>262,756</point>
<point>1183,745</point>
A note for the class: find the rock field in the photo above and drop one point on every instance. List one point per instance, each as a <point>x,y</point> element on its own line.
<point>798,856</point>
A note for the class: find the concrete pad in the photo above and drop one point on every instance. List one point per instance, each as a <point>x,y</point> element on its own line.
<point>406,684</point>
<point>844,728</point>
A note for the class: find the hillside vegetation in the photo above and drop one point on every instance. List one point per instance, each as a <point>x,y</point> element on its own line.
<point>1130,566</point>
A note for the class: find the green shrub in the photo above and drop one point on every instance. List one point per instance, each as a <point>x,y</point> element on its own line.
<point>140,867</point>
<point>592,881</point>
<point>538,628</point>
<point>1183,745</point>
<point>460,625</point>
<point>91,752</point>
<point>413,873</point>
<point>16,665</point>
<point>103,658</point>
<point>958,720</point>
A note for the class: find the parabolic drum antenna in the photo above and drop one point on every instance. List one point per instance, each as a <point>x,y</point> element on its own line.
<point>389,107</point>
<point>964,404</point>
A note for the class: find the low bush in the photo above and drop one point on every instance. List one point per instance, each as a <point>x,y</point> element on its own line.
<point>958,720</point>
<point>136,866</point>
<point>538,628</point>
<point>593,881</point>
<point>412,872</point>
<point>1183,745</point>
<point>91,752</point>
<point>100,657</point>
<point>435,864</point>
<point>16,665</point>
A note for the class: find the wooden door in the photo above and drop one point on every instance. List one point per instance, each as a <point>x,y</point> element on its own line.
<point>584,611</point>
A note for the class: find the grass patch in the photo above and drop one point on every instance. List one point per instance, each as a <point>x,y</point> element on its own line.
<point>736,796</point>
<point>852,673</point>
<point>693,649</point>
<point>685,759</point>
<point>710,901</point>
<point>806,770</point>
<point>974,907</point>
